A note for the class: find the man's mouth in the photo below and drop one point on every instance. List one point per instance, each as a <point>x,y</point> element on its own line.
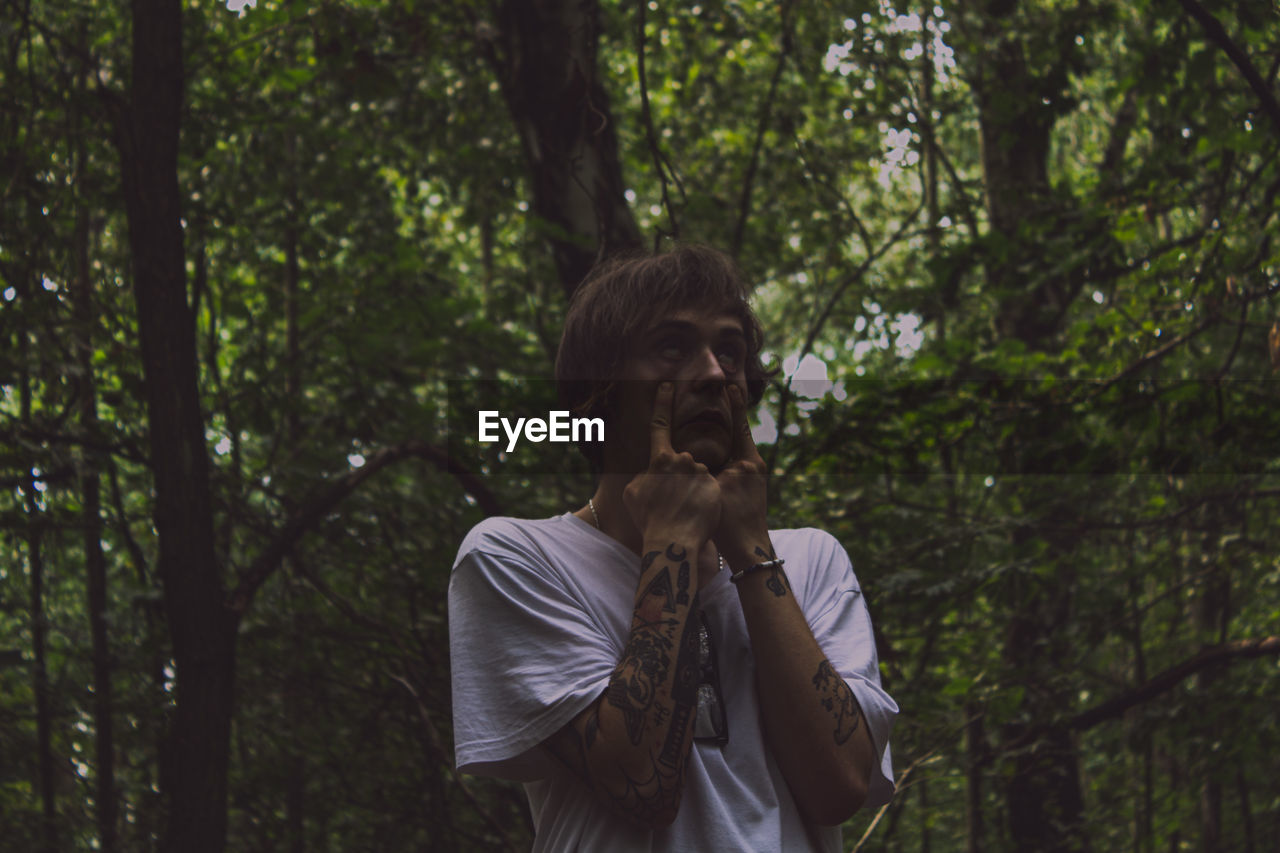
<point>708,417</point>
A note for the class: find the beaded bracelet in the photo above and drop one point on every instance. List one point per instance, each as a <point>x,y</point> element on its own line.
<point>737,576</point>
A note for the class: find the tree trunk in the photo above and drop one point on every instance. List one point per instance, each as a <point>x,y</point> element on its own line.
<point>39,629</point>
<point>1016,114</point>
<point>1042,792</point>
<point>1042,789</point>
<point>95,561</point>
<point>1212,616</point>
<point>295,758</point>
<point>544,53</point>
<point>201,628</point>
<point>975,758</point>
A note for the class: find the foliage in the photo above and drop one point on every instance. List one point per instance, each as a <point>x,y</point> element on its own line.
<point>1040,417</point>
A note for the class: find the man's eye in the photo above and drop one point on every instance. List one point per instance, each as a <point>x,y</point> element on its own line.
<point>671,348</point>
<point>730,358</point>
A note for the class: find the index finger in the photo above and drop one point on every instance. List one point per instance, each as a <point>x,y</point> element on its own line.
<point>744,447</point>
<point>660,425</point>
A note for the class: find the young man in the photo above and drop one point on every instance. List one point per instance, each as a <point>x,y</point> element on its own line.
<point>662,670</point>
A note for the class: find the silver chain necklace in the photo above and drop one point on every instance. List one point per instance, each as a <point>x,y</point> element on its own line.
<point>591,505</point>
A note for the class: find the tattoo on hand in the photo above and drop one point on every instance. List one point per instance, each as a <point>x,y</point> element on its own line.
<point>839,700</point>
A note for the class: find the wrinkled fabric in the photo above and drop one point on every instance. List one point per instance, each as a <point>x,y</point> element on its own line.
<point>539,614</point>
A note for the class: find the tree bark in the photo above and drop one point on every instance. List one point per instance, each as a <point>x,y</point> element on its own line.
<point>1016,114</point>
<point>202,630</point>
<point>544,54</point>
<point>39,627</point>
<point>295,758</point>
<point>1042,787</point>
<point>105,804</point>
<point>975,749</point>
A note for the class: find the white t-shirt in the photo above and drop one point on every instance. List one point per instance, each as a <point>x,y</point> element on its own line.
<point>539,614</point>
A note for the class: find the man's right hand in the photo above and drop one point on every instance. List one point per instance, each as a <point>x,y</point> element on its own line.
<point>676,499</point>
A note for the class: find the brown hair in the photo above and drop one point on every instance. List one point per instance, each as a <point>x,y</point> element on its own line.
<point>621,297</point>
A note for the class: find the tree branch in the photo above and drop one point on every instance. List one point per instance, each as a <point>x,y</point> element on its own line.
<point>766,113</point>
<point>660,161</point>
<point>320,505</point>
<point>1174,675</point>
<point>815,329</point>
<point>1219,36</point>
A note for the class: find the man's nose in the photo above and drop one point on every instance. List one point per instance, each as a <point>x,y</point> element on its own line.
<point>706,368</point>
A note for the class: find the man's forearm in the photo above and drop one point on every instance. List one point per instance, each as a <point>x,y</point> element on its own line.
<point>633,742</point>
<point>812,721</point>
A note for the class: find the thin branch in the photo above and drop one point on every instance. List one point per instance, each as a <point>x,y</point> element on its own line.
<point>823,315</point>
<point>438,754</point>
<point>1213,29</point>
<point>863,233</point>
<point>342,605</point>
<point>651,135</point>
<point>1121,129</point>
<point>1235,346</point>
<point>1160,352</point>
<point>902,779</point>
<point>766,114</point>
<point>957,185</point>
<point>1172,677</point>
<point>320,505</point>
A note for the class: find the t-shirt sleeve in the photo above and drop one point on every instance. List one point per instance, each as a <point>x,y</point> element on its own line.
<point>841,624</point>
<point>525,655</point>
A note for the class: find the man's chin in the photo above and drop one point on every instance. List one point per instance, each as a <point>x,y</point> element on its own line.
<point>711,453</point>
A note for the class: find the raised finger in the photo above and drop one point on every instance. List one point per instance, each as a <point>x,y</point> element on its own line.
<point>744,447</point>
<point>660,424</point>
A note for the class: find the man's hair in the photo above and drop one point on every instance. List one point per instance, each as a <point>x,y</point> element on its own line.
<point>621,298</point>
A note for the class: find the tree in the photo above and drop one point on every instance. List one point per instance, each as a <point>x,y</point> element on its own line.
<point>251,309</point>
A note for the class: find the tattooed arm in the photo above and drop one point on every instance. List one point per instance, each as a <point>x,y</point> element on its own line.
<point>631,744</point>
<point>812,721</point>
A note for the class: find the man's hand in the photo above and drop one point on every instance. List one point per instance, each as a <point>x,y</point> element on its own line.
<point>743,533</point>
<point>676,499</point>
<point>632,744</point>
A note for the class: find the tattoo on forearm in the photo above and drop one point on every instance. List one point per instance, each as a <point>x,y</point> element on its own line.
<point>653,694</point>
<point>777,583</point>
<point>659,593</point>
<point>684,696</point>
<point>837,698</point>
<point>634,683</point>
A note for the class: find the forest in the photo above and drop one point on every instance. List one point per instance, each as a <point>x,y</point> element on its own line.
<point>262,261</point>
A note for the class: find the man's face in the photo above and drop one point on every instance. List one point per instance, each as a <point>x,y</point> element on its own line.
<point>701,352</point>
